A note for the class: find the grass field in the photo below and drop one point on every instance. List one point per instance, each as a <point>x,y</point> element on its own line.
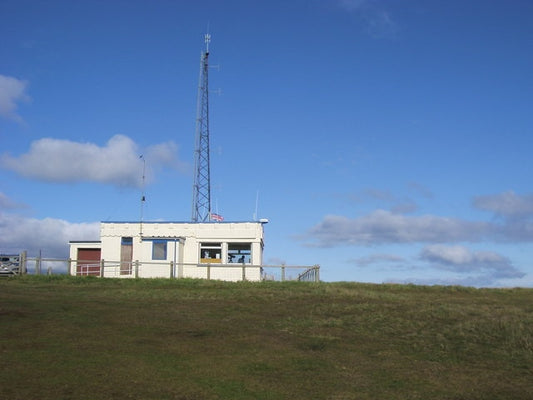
<point>90,338</point>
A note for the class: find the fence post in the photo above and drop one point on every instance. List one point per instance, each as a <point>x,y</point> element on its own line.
<point>23,260</point>
<point>69,261</point>
<point>102,264</point>
<point>180,270</point>
<point>171,269</point>
<point>283,273</point>
<point>38,265</point>
<point>317,274</point>
<point>243,272</point>
<point>208,271</point>
<point>136,268</point>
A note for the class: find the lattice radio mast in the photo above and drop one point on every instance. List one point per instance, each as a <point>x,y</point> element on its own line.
<point>201,200</point>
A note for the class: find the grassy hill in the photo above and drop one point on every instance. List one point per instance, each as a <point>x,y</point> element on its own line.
<point>91,338</point>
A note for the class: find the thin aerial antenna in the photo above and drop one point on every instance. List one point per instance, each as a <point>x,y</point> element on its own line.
<point>207,38</point>
<point>256,205</point>
<point>143,198</point>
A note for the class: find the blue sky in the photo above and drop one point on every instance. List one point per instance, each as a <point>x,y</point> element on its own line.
<point>386,141</point>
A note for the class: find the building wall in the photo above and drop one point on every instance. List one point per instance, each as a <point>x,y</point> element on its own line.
<point>183,245</point>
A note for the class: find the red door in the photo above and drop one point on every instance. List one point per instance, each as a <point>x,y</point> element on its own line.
<point>88,262</point>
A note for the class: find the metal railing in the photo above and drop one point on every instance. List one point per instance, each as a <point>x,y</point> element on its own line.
<point>169,269</point>
<point>310,275</point>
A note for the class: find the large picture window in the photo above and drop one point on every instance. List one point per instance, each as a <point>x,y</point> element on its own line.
<point>210,253</point>
<point>159,250</point>
<point>240,253</point>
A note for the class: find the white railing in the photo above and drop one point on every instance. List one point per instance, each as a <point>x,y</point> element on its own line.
<point>170,269</point>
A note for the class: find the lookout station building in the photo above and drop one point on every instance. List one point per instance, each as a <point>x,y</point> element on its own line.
<point>229,251</point>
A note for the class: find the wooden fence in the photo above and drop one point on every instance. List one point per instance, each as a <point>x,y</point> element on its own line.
<point>170,269</point>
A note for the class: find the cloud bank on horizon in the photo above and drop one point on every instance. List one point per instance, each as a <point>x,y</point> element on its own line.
<point>50,235</point>
<point>512,220</point>
<point>443,238</point>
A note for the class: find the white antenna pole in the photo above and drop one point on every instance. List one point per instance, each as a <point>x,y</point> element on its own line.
<point>256,205</point>
<point>143,198</point>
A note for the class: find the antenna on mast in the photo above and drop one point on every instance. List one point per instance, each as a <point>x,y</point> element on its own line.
<point>207,37</point>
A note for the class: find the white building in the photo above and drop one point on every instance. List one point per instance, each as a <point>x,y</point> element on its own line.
<point>215,250</point>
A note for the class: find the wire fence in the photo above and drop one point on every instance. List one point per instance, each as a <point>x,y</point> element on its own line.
<point>170,269</point>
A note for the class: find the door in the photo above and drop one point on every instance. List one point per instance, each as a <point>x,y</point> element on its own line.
<point>126,255</point>
<point>88,262</point>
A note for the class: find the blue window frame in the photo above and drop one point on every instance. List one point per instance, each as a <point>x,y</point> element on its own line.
<point>159,249</point>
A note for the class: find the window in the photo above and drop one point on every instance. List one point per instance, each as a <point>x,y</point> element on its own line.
<point>159,250</point>
<point>240,253</point>
<point>210,253</point>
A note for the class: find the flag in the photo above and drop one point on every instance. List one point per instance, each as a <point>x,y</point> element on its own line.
<point>216,217</point>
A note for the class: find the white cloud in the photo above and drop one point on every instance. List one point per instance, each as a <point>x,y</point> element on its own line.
<point>405,207</point>
<point>458,255</point>
<point>514,213</point>
<point>507,204</point>
<point>490,265</point>
<point>386,199</point>
<point>164,154</point>
<point>6,203</point>
<point>385,227</point>
<point>378,21</point>
<point>116,163</point>
<point>420,190</point>
<point>373,194</point>
<point>516,230</point>
<point>378,259</point>
<point>12,91</point>
<point>381,24</point>
<point>50,235</point>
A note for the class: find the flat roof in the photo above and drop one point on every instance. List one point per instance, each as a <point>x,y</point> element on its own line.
<point>182,222</point>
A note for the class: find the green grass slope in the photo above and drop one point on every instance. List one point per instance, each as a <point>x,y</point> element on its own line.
<point>91,338</point>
